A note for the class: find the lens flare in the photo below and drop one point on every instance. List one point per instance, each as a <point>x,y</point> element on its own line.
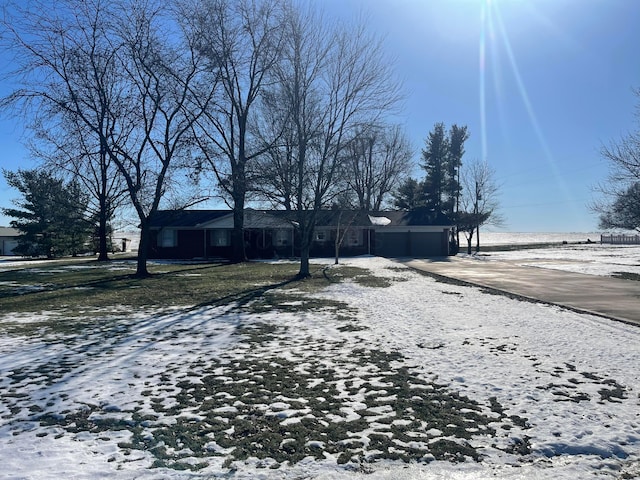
<point>482,74</point>
<point>489,15</point>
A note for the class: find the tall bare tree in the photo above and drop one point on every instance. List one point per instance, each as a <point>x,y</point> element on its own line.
<point>66,63</point>
<point>72,150</point>
<point>124,74</point>
<point>332,80</point>
<point>378,161</point>
<point>169,91</point>
<point>479,201</point>
<point>242,40</point>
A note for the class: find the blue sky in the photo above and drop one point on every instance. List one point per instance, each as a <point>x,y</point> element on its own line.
<point>556,84</point>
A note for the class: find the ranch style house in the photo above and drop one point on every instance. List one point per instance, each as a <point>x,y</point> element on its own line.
<point>8,240</point>
<point>203,234</point>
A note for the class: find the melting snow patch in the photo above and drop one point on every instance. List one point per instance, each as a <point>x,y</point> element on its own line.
<point>379,221</point>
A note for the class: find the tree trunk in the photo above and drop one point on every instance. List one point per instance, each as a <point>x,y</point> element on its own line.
<point>143,251</point>
<point>103,255</point>
<point>477,238</point>
<point>338,240</point>
<point>306,237</point>
<point>304,271</point>
<point>239,250</point>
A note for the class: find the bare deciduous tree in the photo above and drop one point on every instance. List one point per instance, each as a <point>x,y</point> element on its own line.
<point>478,202</point>
<point>122,77</point>
<point>242,40</point>
<point>66,63</point>
<point>624,211</point>
<point>331,82</point>
<point>71,150</point>
<point>378,160</point>
<point>166,97</point>
<point>620,206</point>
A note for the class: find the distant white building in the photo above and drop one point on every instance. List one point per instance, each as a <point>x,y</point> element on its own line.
<point>126,241</point>
<point>8,240</point>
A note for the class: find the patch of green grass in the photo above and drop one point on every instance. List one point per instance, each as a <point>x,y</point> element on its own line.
<point>294,302</point>
<point>234,421</point>
<point>85,287</point>
<point>358,275</point>
<point>78,295</point>
<point>81,287</point>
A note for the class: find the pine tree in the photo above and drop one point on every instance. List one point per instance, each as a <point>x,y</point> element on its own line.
<point>442,160</point>
<point>409,195</point>
<point>435,156</point>
<point>457,137</point>
<point>50,215</point>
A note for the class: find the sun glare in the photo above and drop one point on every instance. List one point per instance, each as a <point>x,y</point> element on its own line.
<point>493,28</point>
<point>482,76</point>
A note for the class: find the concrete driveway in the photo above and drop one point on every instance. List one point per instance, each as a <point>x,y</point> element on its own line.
<point>605,296</point>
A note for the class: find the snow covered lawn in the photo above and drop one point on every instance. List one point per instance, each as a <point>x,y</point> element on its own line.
<point>395,376</point>
<point>591,259</point>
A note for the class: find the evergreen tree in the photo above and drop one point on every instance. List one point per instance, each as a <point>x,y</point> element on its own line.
<point>409,195</point>
<point>50,215</point>
<point>434,157</point>
<point>457,137</point>
<point>442,160</point>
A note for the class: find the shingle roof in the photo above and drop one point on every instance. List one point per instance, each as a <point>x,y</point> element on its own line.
<point>412,218</point>
<point>185,218</point>
<point>9,232</point>
<point>325,218</point>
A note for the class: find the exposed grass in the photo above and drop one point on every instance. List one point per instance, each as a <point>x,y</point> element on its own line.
<point>80,288</point>
<point>76,294</point>
<point>404,417</point>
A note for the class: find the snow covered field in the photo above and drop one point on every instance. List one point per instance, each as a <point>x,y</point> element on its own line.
<point>409,368</point>
<point>514,238</point>
<point>591,259</point>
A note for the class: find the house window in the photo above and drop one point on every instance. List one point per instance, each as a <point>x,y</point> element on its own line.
<point>321,236</point>
<point>168,238</point>
<point>354,237</point>
<point>220,238</point>
<point>281,238</point>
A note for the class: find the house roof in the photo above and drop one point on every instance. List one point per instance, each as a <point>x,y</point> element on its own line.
<point>325,218</point>
<point>416,217</point>
<point>384,218</point>
<point>9,232</point>
<point>185,218</point>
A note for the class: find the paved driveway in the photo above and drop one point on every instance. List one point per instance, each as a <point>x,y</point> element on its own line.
<point>606,296</point>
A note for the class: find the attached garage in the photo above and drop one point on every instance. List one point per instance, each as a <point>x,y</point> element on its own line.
<point>8,240</point>
<point>411,243</point>
<point>416,233</point>
<point>391,244</point>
